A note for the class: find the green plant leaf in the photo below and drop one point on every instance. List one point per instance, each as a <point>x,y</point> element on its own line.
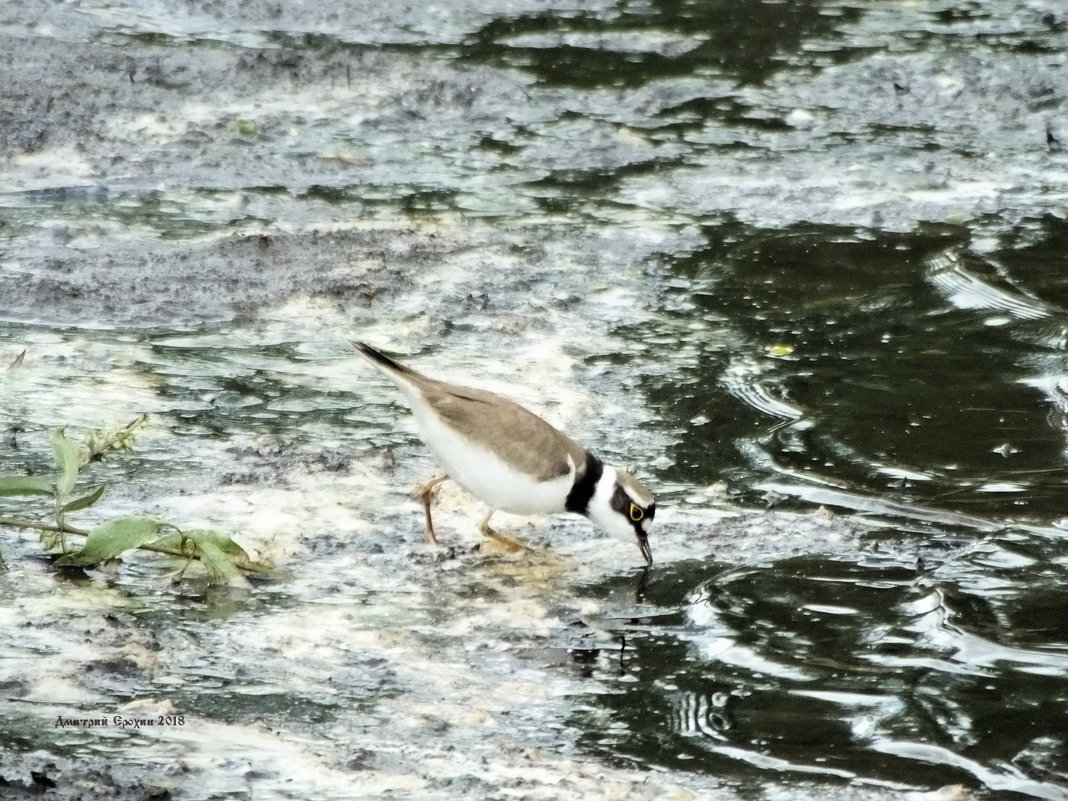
<point>25,485</point>
<point>185,539</point>
<point>205,543</point>
<point>86,500</point>
<point>218,563</point>
<point>218,540</point>
<point>110,539</point>
<point>177,543</point>
<point>66,462</point>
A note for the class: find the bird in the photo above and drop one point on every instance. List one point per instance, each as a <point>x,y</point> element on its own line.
<point>514,461</point>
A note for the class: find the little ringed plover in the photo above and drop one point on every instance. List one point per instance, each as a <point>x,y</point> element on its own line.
<point>513,460</point>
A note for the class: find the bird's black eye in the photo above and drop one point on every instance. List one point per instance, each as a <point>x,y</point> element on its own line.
<point>636,512</point>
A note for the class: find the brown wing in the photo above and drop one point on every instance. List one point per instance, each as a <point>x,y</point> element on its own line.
<point>513,433</point>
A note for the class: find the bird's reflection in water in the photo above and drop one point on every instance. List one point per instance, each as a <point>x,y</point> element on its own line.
<point>612,635</point>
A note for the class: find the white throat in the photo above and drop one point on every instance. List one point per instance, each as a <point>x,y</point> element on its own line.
<point>600,509</point>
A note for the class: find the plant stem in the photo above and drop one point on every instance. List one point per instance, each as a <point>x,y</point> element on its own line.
<point>21,522</point>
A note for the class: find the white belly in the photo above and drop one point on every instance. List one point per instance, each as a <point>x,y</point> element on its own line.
<point>486,476</point>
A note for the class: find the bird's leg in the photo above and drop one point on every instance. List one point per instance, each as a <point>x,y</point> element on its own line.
<point>507,542</point>
<point>425,492</point>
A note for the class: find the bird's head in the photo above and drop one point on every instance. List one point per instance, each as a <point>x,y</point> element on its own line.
<point>623,507</point>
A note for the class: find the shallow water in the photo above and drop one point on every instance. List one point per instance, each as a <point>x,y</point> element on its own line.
<point>801,263</point>
<point>859,670</point>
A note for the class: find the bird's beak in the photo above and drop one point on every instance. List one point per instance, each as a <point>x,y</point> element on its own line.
<point>643,546</point>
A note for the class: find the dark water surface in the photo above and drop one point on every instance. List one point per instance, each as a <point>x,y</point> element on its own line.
<point>880,374</point>
<point>815,250</point>
<point>849,670</point>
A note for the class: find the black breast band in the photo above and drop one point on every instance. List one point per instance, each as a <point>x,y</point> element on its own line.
<point>578,500</point>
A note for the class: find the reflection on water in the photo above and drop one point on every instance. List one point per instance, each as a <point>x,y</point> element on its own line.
<point>654,41</point>
<point>866,670</point>
<point>913,382</point>
<point>824,357</point>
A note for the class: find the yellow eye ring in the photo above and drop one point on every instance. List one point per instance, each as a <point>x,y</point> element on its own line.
<point>636,512</point>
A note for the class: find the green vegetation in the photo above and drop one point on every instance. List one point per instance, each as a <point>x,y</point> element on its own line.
<point>223,559</point>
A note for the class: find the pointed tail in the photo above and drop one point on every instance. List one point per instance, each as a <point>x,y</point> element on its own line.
<point>381,360</point>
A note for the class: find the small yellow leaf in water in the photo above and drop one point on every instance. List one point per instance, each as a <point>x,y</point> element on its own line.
<point>247,127</point>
